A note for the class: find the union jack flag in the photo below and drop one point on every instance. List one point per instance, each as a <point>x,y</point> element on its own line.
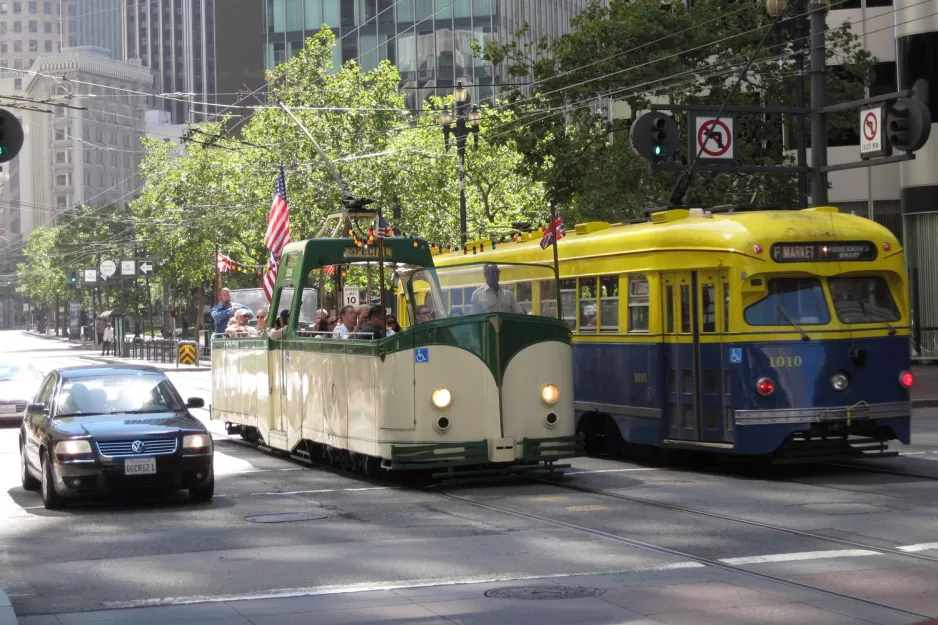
<point>556,227</point>
<point>278,232</point>
<point>225,264</point>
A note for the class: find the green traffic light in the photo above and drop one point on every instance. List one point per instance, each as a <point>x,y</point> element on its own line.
<point>3,150</point>
<point>659,150</point>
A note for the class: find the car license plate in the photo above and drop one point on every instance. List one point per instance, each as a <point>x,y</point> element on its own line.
<point>139,466</point>
<point>7,408</point>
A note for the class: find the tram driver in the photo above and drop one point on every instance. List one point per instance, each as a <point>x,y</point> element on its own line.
<point>491,297</point>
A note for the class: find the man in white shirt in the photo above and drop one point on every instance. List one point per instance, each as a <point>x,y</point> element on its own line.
<point>491,298</point>
<point>346,323</point>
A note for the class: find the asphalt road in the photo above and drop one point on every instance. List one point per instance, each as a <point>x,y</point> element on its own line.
<point>357,533</point>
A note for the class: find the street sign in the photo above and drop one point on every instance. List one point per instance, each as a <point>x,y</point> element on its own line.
<point>108,268</point>
<point>720,146</point>
<point>128,267</point>
<point>351,295</point>
<point>871,133</point>
<point>145,267</point>
<point>91,276</point>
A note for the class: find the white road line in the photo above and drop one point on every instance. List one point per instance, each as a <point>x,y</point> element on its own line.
<point>308,492</point>
<point>918,547</point>
<point>286,593</point>
<point>912,453</point>
<point>608,471</point>
<point>802,556</point>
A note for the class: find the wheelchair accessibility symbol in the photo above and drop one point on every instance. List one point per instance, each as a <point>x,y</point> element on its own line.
<point>736,355</point>
<point>422,355</point>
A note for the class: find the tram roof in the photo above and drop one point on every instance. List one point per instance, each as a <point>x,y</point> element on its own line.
<point>693,230</point>
<point>342,251</point>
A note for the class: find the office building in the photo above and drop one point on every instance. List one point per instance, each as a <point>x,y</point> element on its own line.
<point>28,29</point>
<point>429,41</point>
<point>95,23</point>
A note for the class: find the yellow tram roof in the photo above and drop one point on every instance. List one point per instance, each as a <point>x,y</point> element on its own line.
<point>692,230</point>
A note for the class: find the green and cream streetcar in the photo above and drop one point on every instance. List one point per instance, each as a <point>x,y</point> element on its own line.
<point>467,395</point>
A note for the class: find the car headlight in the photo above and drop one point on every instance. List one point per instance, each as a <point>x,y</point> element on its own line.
<point>72,448</point>
<point>441,398</point>
<point>193,442</point>
<point>550,394</point>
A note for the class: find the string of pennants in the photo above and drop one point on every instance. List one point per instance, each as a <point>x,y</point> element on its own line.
<point>378,232</point>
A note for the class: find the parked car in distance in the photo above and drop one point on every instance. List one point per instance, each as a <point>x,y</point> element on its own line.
<point>97,429</point>
<point>19,382</point>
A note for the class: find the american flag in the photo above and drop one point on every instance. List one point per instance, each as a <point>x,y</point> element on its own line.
<point>557,227</point>
<point>278,233</point>
<point>330,270</point>
<point>381,227</point>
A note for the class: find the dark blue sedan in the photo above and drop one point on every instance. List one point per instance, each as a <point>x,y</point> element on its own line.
<point>97,429</point>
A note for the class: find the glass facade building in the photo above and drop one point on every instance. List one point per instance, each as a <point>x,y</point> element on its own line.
<point>429,41</point>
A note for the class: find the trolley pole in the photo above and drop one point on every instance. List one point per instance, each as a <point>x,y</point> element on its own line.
<point>381,267</point>
<point>818,13</point>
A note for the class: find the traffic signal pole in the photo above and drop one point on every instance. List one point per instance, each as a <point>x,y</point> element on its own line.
<point>818,14</point>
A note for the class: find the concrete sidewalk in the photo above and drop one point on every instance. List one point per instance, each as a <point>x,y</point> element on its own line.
<point>92,353</point>
<point>681,594</point>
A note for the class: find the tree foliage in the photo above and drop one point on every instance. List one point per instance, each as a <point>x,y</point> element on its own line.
<point>640,52</point>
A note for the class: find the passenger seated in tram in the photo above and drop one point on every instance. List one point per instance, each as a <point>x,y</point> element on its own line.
<point>241,329</point>
<point>391,325</point>
<point>491,298</point>
<point>374,328</point>
<point>262,320</point>
<point>346,326</point>
<point>276,333</point>
<point>423,313</point>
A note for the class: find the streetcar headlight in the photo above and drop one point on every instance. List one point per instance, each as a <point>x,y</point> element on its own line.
<point>72,448</point>
<point>550,394</point>
<point>191,442</point>
<point>840,381</point>
<point>441,398</point>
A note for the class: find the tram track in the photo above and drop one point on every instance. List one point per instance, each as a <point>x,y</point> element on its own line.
<point>667,551</point>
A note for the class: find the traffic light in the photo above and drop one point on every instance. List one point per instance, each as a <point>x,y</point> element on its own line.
<point>175,314</point>
<point>11,136</point>
<point>654,136</point>
<point>73,279</point>
<point>908,124</point>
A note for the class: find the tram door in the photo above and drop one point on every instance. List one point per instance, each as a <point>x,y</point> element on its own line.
<point>695,309</point>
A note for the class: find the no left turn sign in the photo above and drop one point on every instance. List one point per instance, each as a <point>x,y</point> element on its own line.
<point>720,145</point>
<point>871,133</point>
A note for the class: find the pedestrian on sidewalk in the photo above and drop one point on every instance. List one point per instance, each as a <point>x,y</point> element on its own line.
<point>99,329</point>
<point>108,339</point>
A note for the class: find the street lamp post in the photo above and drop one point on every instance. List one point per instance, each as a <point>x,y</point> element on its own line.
<point>797,26</point>
<point>467,120</point>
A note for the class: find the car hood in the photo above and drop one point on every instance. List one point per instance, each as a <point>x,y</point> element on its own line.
<point>18,389</point>
<point>127,425</point>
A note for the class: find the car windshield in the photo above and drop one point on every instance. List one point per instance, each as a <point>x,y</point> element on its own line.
<point>116,394</point>
<point>472,288</point>
<point>790,300</point>
<point>863,300</point>
<point>14,370</point>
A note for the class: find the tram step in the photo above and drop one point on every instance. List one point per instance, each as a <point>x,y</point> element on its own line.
<point>814,450</point>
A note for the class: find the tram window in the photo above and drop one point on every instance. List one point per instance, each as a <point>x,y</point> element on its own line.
<point>609,304</point>
<point>523,293</point>
<point>587,304</point>
<point>708,308</point>
<point>863,300</point>
<point>638,303</point>
<point>685,309</point>
<point>568,300</point>
<point>726,306</point>
<point>802,299</point>
<point>669,303</point>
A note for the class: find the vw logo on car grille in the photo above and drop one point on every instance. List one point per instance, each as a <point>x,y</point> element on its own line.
<point>138,447</point>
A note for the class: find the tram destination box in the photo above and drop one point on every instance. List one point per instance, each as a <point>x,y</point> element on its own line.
<point>824,252</point>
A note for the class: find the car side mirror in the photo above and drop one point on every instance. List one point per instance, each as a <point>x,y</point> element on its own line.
<point>37,409</point>
<point>195,402</point>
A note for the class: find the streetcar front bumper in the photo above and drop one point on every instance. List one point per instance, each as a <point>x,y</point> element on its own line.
<point>535,452</point>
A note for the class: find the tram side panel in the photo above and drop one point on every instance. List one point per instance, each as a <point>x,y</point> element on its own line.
<point>313,425</point>
<point>296,371</point>
<point>361,389</point>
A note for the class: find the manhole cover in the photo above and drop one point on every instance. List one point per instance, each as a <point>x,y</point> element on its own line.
<point>544,592</point>
<point>285,517</point>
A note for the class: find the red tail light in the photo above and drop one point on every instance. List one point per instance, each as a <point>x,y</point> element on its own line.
<point>906,379</point>
<point>765,387</point>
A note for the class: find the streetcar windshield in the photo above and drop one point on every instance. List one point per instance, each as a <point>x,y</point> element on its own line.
<point>863,300</point>
<point>511,288</point>
<point>798,300</point>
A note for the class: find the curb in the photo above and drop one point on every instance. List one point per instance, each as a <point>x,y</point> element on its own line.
<point>7,616</point>
<point>167,366</point>
<point>925,403</point>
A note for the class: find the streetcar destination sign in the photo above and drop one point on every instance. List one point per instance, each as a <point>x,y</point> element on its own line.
<point>823,252</point>
<point>365,252</point>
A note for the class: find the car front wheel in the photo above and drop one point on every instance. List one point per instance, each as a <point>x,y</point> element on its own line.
<point>50,497</point>
<point>29,482</point>
<point>204,492</point>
